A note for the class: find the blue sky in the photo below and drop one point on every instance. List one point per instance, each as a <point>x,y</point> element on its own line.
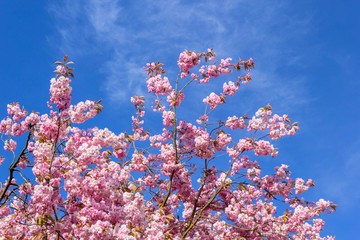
<point>306,55</point>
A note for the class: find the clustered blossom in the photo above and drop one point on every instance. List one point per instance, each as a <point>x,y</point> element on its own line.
<point>213,100</point>
<point>61,69</point>
<point>235,123</point>
<point>60,92</point>
<point>10,145</point>
<point>6,125</point>
<point>16,112</point>
<point>49,127</point>
<point>196,138</point>
<point>263,147</point>
<point>213,71</point>
<point>171,98</point>
<point>16,125</point>
<point>77,113</point>
<point>230,88</point>
<point>221,141</point>
<point>224,66</point>
<point>168,118</point>
<point>245,145</point>
<point>187,60</point>
<point>32,119</point>
<point>278,126</point>
<point>159,85</point>
<point>300,186</point>
<point>98,184</point>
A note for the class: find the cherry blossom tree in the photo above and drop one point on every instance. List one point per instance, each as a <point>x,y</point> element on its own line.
<point>157,183</point>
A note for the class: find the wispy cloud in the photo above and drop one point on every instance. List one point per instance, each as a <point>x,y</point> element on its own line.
<point>129,33</point>
<point>123,76</point>
<point>342,186</point>
<point>105,18</point>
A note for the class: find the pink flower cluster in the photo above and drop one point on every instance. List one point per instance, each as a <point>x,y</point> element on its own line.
<point>10,145</point>
<point>60,92</point>
<point>302,186</point>
<point>172,96</point>
<point>61,69</point>
<point>159,85</point>
<point>278,126</point>
<point>16,112</point>
<point>263,147</point>
<point>230,88</point>
<point>245,145</point>
<point>213,100</point>
<point>213,71</point>
<point>77,113</point>
<point>187,60</point>
<point>97,184</point>
<point>168,118</point>
<point>221,141</point>
<point>235,123</point>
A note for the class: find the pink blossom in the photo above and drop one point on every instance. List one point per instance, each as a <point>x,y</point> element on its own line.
<point>159,85</point>
<point>221,141</point>
<point>179,98</point>
<point>77,113</point>
<point>235,123</point>
<point>93,183</point>
<point>299,186</point>
<point>6,125</point>
<point>187,60</point>
<point>61,69</point>
<point>245,145</point>
<point>10,145</point>
<point>16,112</point>
<point>263,147</point>
<point>60,92</point>
<point>213,100</point>
<point>32,119</point>
<point>204,118</point>
<point>168,118</point>
<point>230,88</point>
<point>223,67</point>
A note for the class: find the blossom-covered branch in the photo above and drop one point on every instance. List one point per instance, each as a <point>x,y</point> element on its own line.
<point>169,183</point>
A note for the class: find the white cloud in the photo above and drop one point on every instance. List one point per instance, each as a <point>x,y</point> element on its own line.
<point>338,182</point>
<point>124,77</point>
<point>130,33</point>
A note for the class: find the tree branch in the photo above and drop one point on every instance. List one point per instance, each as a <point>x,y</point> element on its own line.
<point>12,167</point>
